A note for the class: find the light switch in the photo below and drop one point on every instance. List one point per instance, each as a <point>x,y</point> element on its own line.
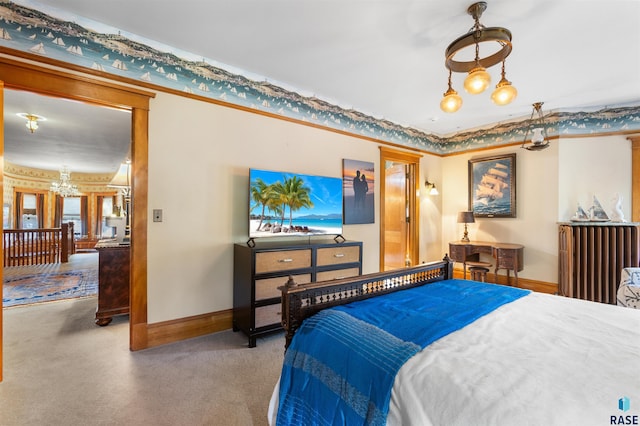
<point>157,215</point>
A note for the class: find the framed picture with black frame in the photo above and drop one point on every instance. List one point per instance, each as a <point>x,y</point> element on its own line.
<point>492,186</point>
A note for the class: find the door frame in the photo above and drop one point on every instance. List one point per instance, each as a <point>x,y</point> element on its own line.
<point>30,77</point>
<point>413,160</point>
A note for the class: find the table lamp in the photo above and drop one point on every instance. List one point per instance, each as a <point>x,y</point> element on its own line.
<point>465,217</point>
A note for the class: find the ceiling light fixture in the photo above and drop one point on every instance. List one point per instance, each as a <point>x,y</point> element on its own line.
<point>32,120</point>
<point>539,138</point>
<point>478,79</point>
<point>64,187</point>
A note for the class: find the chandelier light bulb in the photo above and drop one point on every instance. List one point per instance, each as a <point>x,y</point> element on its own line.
<point>477,81</point>
<point>451,102</point>
<point>504,94</point>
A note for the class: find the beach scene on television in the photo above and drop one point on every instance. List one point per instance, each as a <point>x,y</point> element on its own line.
<point>283,203</point>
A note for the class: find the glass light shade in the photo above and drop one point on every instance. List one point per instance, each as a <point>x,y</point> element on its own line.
<point>477,81</point>
<point>537,138</point>
<point>32,125</point>
<point>433,191</point>
<point>451,101</point>
<point>504,94</point>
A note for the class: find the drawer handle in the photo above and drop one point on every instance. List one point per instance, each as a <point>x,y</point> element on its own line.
<point>285,260</point>
<point>338,255</point>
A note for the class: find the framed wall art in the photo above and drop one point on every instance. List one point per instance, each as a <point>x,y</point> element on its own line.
<point>492,186</point>
<point>358,189</point>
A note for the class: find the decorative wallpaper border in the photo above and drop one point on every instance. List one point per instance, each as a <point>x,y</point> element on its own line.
<point>41,33</point>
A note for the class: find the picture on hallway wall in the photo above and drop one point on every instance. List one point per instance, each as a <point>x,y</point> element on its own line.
<point>358,184</point>
<point>492,186</point>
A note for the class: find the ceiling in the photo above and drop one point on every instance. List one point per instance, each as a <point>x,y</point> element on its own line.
<point>386,58</point>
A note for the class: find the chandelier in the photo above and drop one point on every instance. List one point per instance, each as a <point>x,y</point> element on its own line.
<point>478,79</point>
<point>64,187</point>
<point>539,138</point>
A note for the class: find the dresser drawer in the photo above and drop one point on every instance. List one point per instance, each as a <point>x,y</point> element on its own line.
<point>268,315</point>
<point>337,274</point>
<point>338,255</point>
<point>274,261</point>
<point>457,253</point>
<point>268,287</point>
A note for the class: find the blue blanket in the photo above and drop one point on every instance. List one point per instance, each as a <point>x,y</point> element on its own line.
<point>342,362</point>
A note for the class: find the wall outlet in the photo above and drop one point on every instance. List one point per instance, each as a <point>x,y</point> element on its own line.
<point>157,215</point>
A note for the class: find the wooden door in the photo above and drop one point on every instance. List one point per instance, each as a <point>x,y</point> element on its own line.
<point>395,217</point>
<point>399,209</point>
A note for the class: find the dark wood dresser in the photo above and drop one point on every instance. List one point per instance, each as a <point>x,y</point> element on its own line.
<point>113,281</point>
<point>258,272</point>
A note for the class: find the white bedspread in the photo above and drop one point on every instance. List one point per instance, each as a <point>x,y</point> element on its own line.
<point>541,360</point>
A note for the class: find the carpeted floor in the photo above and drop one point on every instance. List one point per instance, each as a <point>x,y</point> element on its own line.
<point>61,369</point>
<point>24,285</point>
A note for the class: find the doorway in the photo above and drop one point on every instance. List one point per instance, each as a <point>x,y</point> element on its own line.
<point>30,77</point>
<point>399,209</point>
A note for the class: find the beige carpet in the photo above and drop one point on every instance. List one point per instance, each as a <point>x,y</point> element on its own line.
<point>62,369</point>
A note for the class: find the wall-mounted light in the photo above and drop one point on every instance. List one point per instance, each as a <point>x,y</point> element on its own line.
<point>431,187</point>
<point>32,120</point>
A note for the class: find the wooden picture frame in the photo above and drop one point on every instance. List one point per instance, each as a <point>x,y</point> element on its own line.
<point>492,186</point>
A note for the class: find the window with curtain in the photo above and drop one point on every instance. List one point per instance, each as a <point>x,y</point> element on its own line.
<point>29,212</point>
<point>74,209</point>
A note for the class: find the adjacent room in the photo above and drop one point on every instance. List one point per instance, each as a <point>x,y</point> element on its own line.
<point>204,211</point>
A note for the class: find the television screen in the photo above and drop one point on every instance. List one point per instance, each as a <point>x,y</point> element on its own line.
<point>283,204</point>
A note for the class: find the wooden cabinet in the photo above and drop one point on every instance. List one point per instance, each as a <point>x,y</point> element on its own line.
<point>258,272</point>
<point>113,281</point>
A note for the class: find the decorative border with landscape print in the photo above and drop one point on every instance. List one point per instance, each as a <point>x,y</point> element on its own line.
<point>492,186</point>
<point>358,184</point>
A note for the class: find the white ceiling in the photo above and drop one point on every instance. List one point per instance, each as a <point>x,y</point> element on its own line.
<point>385,58</point>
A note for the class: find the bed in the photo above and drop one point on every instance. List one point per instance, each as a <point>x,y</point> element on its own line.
<point>495,355</point>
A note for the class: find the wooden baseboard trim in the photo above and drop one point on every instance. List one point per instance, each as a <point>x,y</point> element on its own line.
<point>526,283</point>
<point>165,332</point>
<point>172,331</point>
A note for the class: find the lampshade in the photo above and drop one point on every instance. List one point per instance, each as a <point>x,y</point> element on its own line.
<point>431,187</point>
<point>122,178</point>
<point>477,81</point>
<point>466,217</point>
<point>451,101</point>
<point>505,93</point>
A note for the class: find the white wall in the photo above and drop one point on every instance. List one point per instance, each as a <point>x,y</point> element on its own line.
<point>536,208</point>
<point>600,167</point>
<point>200,155</point>
<point>199,160</point>
<point>549,185</point>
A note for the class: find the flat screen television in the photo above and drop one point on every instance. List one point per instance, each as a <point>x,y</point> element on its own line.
<point>293,204</point>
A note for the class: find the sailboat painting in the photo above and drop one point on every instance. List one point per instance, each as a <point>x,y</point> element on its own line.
<point>492,186</point>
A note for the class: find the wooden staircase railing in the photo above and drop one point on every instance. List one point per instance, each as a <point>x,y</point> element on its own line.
<point>38,246</point>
